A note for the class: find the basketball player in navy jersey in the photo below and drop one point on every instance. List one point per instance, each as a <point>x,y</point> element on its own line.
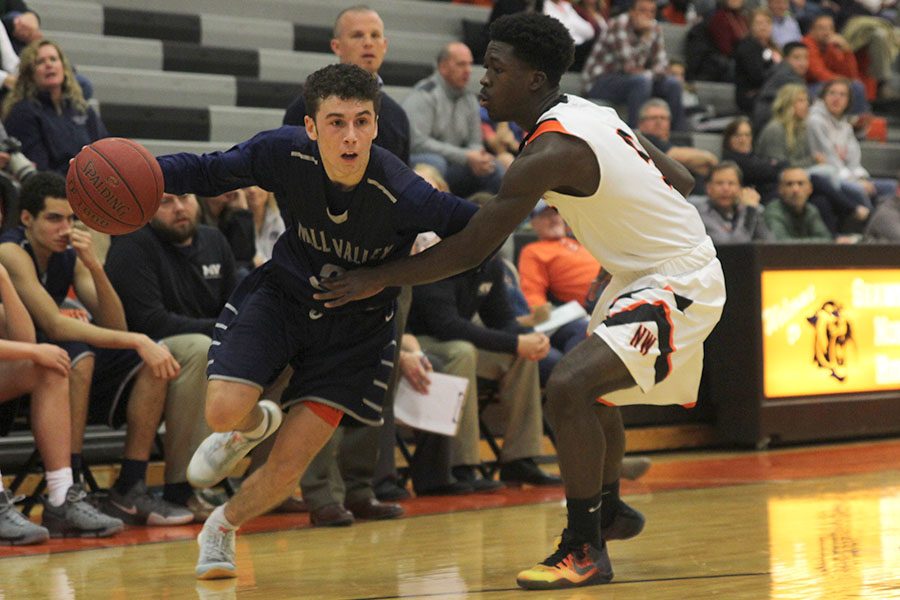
<point>345,203</point>
<point>624,200</point>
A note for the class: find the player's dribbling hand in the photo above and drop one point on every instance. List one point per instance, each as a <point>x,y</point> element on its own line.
<point>357,284</point>
<point>158,358</point>
<point>53,357</point>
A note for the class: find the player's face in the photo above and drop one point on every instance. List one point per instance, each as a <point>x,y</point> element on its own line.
<point>360,40</point>
<point>176,219</point>
<point>548,225</point>
<point>504,86</point>
<point>794,188</point>
<point>344,130</point>
<point>50,229</point>
<point>724,188</point>
<point>48,69</point>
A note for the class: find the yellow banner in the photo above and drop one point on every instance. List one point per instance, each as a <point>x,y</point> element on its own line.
<point>830,331</point>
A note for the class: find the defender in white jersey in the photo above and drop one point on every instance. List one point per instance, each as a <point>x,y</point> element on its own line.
<point>625,201</point>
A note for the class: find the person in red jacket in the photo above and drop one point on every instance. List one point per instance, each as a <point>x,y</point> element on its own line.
<point>830,57</point>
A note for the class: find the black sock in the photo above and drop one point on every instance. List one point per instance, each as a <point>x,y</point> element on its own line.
<point>177,493</point>
<point>610,494</point>
<point>76,467</point>
<point>132,472</point>
<point>584,519</point>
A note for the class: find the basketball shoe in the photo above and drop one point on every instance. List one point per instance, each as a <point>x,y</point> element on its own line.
<point>15,528</point>
<point>574,564</point>
<point>625,525</point>
<point>138,506</point>
<point>219,453</point>
<point>76,517</point>
<point>216,559</point>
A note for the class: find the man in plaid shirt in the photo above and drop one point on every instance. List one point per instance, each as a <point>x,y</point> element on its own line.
<point>628,64</point>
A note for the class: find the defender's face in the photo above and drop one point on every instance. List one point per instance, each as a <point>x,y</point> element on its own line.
<point>344,130</point>
<point>505,81</point>
<point>50,229</point>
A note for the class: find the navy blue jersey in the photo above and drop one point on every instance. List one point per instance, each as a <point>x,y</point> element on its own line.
<point>60,272</point>
<point>327,231</point>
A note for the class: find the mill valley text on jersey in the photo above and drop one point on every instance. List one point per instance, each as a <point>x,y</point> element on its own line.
<point>328,229</point>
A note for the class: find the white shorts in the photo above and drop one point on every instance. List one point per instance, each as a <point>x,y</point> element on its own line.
<point>657,321</point>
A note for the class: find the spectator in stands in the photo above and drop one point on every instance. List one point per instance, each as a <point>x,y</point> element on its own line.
<point>628,64</point>
<point>441,319</point>
<point>359,40</point>
<point>875,41</point>
<point>790,217</point>
<point>760,172</point>
<point>267,222</point>
<point>230,213</point>
<point>728,25</point>
<point>784,139</point>
<point>501,139</point>
<point>117,376</point>
<point>727,219</point>
<point>792,69</point>
<point>581,30</point>
<point>595,12</point>
<point>446,125</point>
<point>21,23</point>
<point>831,135</point>
<point>174,277</point>
<point>42,370</point>
<point>785,28</point>
<point>341,476</point>
<point>754,58</point>
<point>47,110</point>
<point>884,226</point>
<point>830,58</point>
<point>9,64</point>
<point>556,269</point>
<point>655,120</point>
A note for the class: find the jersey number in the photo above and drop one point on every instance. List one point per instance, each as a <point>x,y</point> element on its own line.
<point>626,137</point>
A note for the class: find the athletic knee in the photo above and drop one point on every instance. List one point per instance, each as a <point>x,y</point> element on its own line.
<point>226,406</point>
<point>562,396</point>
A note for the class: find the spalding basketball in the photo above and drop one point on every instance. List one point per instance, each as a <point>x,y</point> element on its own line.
<point>114,185</point>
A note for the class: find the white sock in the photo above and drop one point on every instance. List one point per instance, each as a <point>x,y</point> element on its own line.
<point>58,483</point>
<point>258,431</point>
<point>217,518</point>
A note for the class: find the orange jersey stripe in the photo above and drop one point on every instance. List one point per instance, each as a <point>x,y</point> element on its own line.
<point>545,127</point>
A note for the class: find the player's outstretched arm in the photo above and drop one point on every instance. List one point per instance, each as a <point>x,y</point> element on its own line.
<point>676,173</point>
<point>535,171</point>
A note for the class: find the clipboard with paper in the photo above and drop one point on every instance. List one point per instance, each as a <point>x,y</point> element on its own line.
<point>561,315</point>
<point>437,411</point>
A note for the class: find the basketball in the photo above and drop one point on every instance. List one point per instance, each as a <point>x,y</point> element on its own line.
<point>114,185</point>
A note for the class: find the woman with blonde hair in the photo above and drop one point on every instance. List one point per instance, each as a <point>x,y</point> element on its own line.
<point>785,138</point>
<point>46,109</point>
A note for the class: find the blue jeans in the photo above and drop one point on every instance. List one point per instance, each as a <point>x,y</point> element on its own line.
<point>634,90</point>
<point>462,181</point>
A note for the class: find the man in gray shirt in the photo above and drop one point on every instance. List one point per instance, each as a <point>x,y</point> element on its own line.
<point>446,125</point>
<point>728,221</point>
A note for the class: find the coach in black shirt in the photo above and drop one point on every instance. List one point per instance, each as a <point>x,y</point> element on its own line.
<point>174,277</point>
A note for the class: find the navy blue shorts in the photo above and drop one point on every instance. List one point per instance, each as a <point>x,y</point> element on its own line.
<point>114,372</point>
<point>343,361</point>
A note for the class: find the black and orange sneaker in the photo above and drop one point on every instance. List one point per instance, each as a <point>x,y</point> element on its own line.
<point>574,564</point>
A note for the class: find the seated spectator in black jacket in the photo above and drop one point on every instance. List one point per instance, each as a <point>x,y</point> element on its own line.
<point>174,277</point>
<point>22,24</point>
<point>727,219</point>
<point>230,213</point>
<point>47,111</point>
<point>441,319</point>
<point>792,69</point>
<point>760,173</point>
<point>754,58</point>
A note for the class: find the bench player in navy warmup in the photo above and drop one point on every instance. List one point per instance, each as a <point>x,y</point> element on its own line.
<point>624,200</point>
<point>345,203</point>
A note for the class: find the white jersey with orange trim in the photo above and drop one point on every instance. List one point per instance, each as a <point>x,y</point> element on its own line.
<point>635,220</point>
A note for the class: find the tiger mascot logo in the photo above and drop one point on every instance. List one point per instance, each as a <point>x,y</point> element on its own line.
<point>833,333</point>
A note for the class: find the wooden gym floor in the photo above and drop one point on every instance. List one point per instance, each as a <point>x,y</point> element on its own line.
<point>819,522</point>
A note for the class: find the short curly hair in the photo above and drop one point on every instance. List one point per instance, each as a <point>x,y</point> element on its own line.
<point>538,40</point>
<point>347,82</point>
<point>39,187</point>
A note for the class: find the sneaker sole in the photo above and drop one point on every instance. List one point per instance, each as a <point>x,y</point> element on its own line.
<point>221,571</point>
<point>25,540</point>
<point>198,474</point>
<point>624,527</point>
<point>561,584</point>
<point>78,533</point>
